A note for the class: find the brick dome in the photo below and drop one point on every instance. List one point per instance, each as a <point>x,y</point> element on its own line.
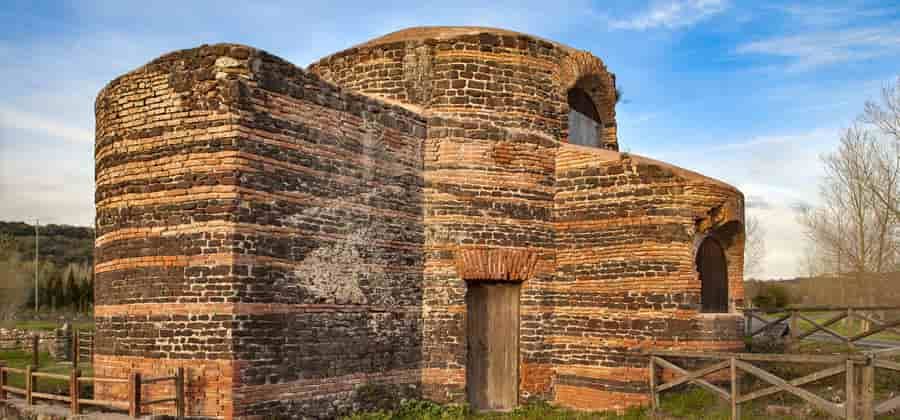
<point>510,79</point>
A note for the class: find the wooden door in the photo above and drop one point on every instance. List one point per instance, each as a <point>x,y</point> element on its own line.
<point>492,370</point>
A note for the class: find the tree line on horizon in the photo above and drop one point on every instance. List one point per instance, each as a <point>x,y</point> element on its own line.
<point>65,269</point>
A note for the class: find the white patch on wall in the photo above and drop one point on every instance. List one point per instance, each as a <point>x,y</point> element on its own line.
<point>333,274</point>
<point>344,271</point>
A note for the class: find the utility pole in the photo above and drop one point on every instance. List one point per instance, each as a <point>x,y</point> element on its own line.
<point>36,294</point>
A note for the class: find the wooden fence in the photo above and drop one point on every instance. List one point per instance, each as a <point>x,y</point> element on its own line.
<point>792,316</point>
<point>860,395</point>
<point>82,347</point>
<point>74,380</point>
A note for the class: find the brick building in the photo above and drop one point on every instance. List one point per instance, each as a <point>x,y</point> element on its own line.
<point>438,213</point>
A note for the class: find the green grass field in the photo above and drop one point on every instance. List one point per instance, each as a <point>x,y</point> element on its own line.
<point>21,359</point>
<point>841,327</point>
<point>51,325</point>
<point>845,328</point>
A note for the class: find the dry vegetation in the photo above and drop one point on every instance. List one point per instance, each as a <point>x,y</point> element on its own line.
<point>856,229</point>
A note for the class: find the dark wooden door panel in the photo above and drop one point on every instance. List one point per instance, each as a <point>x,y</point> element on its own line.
<point>492,371</point>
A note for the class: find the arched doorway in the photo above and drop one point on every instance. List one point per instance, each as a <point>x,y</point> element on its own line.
<point>585,128</point>
<point>492,336</point>
<point>711,266</point>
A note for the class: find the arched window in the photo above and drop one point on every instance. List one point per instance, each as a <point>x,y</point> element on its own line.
<point>584,123</point>
<point>713,276</point>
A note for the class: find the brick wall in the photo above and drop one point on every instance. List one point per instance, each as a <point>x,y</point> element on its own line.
<point>627,228</point>
<point>487,188</point>
<point>491,76</point>
<point>261,223</point>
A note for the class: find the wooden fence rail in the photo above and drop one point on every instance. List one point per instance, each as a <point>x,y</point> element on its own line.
<point>84,343</point>
<point>74,380</point>
<point>860,397</point>
<point>792,315</point>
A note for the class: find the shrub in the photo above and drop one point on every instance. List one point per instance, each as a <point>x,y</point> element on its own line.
<point>772,297</point>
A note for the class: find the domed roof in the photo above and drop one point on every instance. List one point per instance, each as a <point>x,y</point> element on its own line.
<point>445,32</point>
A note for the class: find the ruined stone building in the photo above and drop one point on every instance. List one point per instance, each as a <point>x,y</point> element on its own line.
<point>439,213</point>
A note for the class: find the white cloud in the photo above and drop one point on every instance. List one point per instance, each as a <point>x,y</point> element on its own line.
<point>671,14</point>
<point>811,50</point>
<point>46,179</point>
<point>22,120</point>
<point>775,139</point>
<point>777,171</point>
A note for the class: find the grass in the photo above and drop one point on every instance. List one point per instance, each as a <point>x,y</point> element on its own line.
<point>20,360</point>
<point>538,410</point>
<point>50,325</point>
<point>846,329</point>
<point>691,403</point>
<point>686,402</point>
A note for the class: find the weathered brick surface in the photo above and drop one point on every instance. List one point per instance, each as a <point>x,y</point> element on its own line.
<point>496,77</point>
<point>302,240</point>
<point>209,384</point>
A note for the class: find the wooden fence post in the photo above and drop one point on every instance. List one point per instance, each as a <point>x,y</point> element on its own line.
<point>76,353</point>
<point>654,397</point>
<point>2,380</point>
<point>35,351</point>
<point>850,403</point>
<point>794,327</point>
<point>867,390</point>
<point>75,391</point>
<point>134,395</point>
<point>748,323</point>
<point>179,393</point>
<point>735,408</point>
<point>29,385</point>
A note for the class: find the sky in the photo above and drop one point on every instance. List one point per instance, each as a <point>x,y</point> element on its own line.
<point>752,93</point>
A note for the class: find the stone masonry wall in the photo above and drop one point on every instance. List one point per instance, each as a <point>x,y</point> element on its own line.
<point>18,339</point>
<point>168,162</point>
<point>303,249</point>
<point>264,226</point>
<point>627,229</point>
<point>491,76</point>
<point>497,107</point>
<point>333,214</point>
<point>487,188</point>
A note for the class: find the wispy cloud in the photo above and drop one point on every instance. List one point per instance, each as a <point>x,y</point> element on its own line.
<point>671,14</point>
<point>21,120</point>
<point>826,15</point>
<point>811,50</point>
<point>775,171</point>
<point>773,140</point>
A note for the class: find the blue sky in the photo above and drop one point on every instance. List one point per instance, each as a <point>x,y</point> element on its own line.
<point>748,92</point>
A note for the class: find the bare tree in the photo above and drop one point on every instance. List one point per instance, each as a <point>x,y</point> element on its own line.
<point>754,246</point>
<point>813,261</point>
<point>884,177</point>
<point>854,230</point>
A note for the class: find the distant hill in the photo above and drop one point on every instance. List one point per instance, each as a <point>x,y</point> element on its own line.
<point>61,244</point>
